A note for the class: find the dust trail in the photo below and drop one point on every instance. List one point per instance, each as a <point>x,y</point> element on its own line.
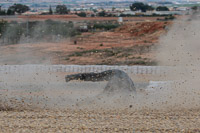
<point>180,49</point>
<point>42,90</point>
<point>28,42</point>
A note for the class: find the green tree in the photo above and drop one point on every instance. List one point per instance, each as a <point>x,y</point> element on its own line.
<point>194,8</point>
<point>61,9</point>
<point>102,14</point>
<point>2,12</point>
<point>162,8</point>
<point>95,10</point>
<point>19,8</point>
<point>82,14</point>
<point>113,8</point>
<point>3,25</point>
<point>10,12</point>
<point>141,6</point>
<point>13,33</point>
<point>50,10</point>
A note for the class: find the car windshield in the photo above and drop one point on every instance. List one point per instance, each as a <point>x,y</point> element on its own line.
<point>99,66</point>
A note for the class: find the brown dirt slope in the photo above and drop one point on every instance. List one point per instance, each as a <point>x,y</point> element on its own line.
<point>130,44</point>
<point>139,29</point>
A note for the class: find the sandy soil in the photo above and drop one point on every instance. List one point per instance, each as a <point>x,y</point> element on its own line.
<point>58,116</point>
<point>100,121</point>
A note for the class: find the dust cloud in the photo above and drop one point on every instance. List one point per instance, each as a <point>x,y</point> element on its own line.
<point>178,50</point>
<point>32,90</point>
<point>28,42</point>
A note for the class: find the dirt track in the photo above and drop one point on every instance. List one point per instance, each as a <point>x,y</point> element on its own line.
<point>62,118</point>
<point>77,18</point>
<point>100,121</point>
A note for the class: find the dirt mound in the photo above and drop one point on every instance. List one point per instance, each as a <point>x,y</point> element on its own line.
<point>142,28</point>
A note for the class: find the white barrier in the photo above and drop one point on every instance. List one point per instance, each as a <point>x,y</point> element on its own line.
<point>82,68</point>
<point>157,85</point>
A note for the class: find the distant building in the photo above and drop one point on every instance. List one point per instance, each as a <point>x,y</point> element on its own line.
<point>31,13</point>
<point>83,28</point>
<point>120,20</point>
<point>182,9</point>
<point>168,12</point>
<point>129,13</point>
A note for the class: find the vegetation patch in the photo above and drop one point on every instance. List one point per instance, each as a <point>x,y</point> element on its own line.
<point>49,30</point>
<point>117,56</point>
<point>103,26</point>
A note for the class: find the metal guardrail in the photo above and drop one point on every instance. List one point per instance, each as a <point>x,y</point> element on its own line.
<point>82,69</point>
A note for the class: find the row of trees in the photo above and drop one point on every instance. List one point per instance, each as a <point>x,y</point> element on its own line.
<point>49,30</point>
<point>19,8</point>
<point>62,9</point>
<point>144,7</point>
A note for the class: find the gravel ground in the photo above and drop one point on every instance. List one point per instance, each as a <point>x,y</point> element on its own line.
<point>126,120</point>
<point>136,115</point>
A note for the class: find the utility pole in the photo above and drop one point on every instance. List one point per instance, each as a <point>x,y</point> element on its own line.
<point>27,29</point>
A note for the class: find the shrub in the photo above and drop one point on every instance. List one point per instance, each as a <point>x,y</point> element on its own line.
<point>162,8</point>
<point>2,12</point>
<point>19,8</point>
<point>102,14</point>
<point>105,26</point>
<point>37,31</point>
<point>61,9</point>
<point>141,6</point>
<point>3,25</point>
<point>82,14</point>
